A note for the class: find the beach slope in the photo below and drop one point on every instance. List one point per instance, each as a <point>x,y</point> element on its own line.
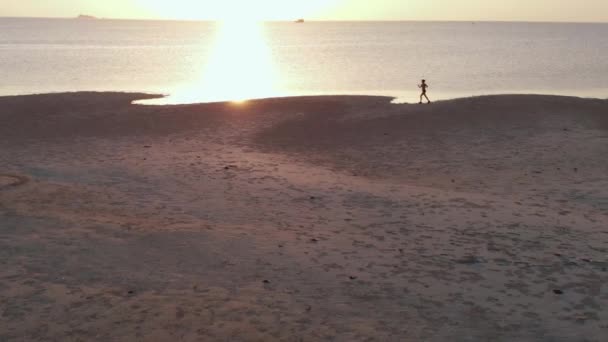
<point>338,218</point>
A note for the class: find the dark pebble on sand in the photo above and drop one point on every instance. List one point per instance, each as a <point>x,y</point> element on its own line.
<point>558,292</point>
<point>147,146</point>
<point>308,308</point>
<point>314,240</point>
<point>576,169</point>
<point>586,260</point>
<point>131,292</point>
<point>469,260</point>
<point>352,277</point>
<point>313,197</point>
<point>557,255</point>
<point>266,281</point>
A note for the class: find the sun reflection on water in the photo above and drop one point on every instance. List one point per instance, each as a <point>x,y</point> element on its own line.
<point>239,67</point>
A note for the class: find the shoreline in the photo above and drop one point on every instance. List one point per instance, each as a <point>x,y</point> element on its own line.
<point>160,99</point>
<point>339,218</point>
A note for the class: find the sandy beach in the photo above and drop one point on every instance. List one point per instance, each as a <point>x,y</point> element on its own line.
<point>336,218</point>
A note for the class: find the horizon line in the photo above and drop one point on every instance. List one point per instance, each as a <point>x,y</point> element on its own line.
<point>324,20</point>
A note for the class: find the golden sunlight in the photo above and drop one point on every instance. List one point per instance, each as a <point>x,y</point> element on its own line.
<point>259,10</point>
<point>240,67</point>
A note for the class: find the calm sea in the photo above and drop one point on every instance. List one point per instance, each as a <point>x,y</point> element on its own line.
<point>203,61</point>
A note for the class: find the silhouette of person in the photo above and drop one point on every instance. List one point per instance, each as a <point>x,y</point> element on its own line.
<point>423,86</point>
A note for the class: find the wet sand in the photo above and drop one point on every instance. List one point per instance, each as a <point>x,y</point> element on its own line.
<point>303,219</point>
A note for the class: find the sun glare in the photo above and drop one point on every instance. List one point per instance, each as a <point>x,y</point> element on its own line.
<point>237,10</point>
<point>240,67</point>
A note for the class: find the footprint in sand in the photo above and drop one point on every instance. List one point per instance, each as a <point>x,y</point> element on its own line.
<point>10,180</point>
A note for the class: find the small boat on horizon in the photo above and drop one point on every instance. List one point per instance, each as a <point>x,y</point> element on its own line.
<point>86,17</point>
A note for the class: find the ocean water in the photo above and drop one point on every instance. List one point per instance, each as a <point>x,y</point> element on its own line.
<point>206,61</point>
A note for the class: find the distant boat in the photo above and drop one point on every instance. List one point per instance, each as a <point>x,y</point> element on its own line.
<point>299,21</point>
<point>87,17</point>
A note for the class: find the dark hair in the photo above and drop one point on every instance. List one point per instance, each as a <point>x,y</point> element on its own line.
<point>423,80</point>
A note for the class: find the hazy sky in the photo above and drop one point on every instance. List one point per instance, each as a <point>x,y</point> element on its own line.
<point>525,10</point>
